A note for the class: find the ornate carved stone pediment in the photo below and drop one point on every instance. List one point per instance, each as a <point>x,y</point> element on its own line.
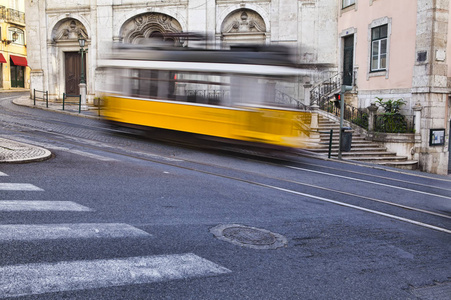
<point>69,29</point>
<point>243,21</point>
<point>144,27</point>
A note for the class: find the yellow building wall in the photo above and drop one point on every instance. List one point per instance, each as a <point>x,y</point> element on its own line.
<point>8,47</point>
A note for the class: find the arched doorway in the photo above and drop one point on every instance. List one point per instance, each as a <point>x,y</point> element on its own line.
<point>243,26</point>
<point>65,37</point>
<point>151,28</point>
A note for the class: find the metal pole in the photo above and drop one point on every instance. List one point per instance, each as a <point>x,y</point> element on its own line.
<point>342,106</point>
<point>344,88</point>
<point>82,79</point>
<point>330,142</point>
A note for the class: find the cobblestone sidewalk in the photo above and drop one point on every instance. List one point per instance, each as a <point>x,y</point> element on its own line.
<point>15,152</point>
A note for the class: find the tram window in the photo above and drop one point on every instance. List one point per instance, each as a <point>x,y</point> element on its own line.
<point>204,88</point>
<point>114,80</point>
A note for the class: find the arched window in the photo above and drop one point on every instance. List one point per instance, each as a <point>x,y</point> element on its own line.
<point>16,36</point>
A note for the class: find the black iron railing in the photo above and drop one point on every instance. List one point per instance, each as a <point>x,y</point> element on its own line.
<point>41,95</point>
<point>287,100</point>
<point>13,15</point>
<point>352,114</point>
<point>387,123</point>
<point>394,123</point>
<point>320,93</point>
<point>72,99</point>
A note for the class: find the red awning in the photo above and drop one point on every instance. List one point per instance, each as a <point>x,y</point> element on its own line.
<point>19,60</point>
<point>2,59</point>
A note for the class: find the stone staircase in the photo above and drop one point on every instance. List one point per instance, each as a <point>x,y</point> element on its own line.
<point>361,149</point>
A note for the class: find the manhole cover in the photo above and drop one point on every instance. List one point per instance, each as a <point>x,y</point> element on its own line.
<point>250,237</point>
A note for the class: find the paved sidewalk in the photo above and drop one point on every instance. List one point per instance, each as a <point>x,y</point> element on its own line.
<point>15,152</point>
<point>18,152</point>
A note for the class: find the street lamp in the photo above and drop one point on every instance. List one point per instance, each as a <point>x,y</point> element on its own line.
<point>82,85</point>
<point>81,42</point>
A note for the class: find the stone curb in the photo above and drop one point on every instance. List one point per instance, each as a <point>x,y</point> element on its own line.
<point>16,152</point>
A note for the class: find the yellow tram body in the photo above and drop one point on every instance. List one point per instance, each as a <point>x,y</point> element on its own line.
<point>262,125</point>
<point>160,89</point>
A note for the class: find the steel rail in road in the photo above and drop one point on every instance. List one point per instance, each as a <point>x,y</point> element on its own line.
<point>160,160</point>
<point>177,164</point>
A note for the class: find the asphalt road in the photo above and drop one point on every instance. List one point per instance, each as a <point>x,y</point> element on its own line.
<point>115,216</point>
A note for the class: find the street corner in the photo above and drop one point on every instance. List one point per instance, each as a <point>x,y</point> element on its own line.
<point>16,152</point>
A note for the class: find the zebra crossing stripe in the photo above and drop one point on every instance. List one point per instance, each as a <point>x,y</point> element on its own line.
<point>25,205</point>
<point>32,279</point>
<point>19,187</point>
<point>19,232</point>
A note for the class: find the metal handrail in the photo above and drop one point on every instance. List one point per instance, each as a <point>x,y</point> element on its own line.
<point>45,96</point>
<point>320,93</point>
<point>286,99</point>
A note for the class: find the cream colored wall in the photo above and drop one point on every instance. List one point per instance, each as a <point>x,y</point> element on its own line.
<point>401,41</point>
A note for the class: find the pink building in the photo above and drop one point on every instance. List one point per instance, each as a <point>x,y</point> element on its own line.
<point>400,50</point>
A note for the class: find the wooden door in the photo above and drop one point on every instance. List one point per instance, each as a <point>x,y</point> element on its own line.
<point>73,72</point>
<point>17,76</point>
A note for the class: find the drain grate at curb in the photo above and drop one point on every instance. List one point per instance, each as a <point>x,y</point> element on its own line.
<point>439,291</point>
<point>249,237</point>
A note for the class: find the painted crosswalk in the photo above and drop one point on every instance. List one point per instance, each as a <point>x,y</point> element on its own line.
<point>19,187</point>
<point>32,279</point>
<point>37,205</point>
<point>68,231</point>
<point>39,278</point>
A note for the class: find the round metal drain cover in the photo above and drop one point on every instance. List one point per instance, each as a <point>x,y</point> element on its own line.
<point>250,237</point>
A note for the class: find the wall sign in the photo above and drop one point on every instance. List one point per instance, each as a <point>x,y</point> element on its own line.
<point>437,137</point>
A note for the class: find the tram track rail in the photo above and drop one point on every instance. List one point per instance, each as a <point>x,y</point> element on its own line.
<point>206,168</point>
<point>439,220</point>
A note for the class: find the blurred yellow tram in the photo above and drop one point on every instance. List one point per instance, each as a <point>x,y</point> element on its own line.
<point>229,95</point>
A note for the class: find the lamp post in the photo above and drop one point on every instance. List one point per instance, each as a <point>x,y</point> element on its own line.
<point>82,85</point>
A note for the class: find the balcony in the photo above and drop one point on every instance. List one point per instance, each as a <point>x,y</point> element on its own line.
<point>12,15</point>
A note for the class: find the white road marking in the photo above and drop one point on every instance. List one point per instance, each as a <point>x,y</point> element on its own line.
<point>90,155</point>
<point>370,182</point>
<point>32,279</point>
<point>26,205</point>
<point>19,187</point>
<point>3,174</point>
<point>97,144</point>
<point>358,208</point>
<point>19,232</point>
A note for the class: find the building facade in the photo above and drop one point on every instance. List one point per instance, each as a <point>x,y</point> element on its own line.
<point>13,52</point>
<point>401,50</point>
<point>383,48</point>
<point>54,27</point>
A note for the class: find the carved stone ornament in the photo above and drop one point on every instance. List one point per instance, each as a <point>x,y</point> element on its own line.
<point>243,20</point>
<point>69,29</point>
<point>143,28</point>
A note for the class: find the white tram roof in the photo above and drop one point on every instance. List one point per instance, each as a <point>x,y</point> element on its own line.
<point>261,60</point>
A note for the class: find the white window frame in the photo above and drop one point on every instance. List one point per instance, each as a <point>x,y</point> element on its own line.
<point>381,45</point>
<point>379,71</point>
<point>346,3</point>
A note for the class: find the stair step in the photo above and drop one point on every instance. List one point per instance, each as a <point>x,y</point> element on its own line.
<point>406,165</point>
<point>353,150</point>
<point>378,160</point>
<point>353,145</point>
<point>361,149</point>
